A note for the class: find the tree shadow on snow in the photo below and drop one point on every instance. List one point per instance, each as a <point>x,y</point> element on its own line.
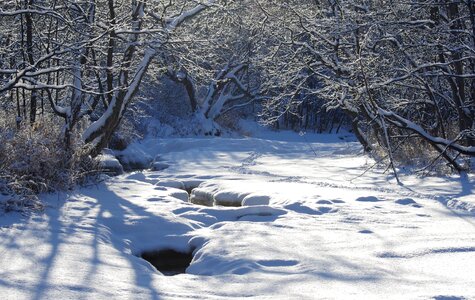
<point>70,222</point>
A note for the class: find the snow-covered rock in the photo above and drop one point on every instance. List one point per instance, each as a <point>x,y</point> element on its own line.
<point>255,199</point>
<point>229,198</point>
<point>202,196</point>
<point>190,184</point>
<point>109,164</point>
<point>159,166</point>
<point>171,183</point>
<point>134,158</point>
<point>179,194</point>
<point>158,157</point>
<point>107,151</point>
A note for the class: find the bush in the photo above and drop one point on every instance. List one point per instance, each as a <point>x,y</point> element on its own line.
<point>414,153</point>
<point>35,160</point>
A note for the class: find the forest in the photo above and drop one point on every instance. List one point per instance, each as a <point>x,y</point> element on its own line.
<point>372,91</point>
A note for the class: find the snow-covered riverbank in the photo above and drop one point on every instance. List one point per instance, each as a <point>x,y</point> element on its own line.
<point>312,228</point>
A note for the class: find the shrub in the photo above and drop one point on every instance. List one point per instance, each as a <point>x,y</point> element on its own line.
<point>35,160</point>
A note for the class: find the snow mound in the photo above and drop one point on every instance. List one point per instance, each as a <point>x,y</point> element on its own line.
<point>368,199</point>
<point>171,183</point>
<point>190,184</point>
<point>109,164</point>
<point>133,157</point>
<point>255,199</point>
<point>159,166</point>
<point>259,210</point>
<point>179,194</point>
<point>229,198</point>
<point>238,213</point>
<point>407,201</point>
<point>202,196</point>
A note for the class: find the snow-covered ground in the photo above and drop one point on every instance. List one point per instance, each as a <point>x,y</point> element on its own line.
<point>312,226</point>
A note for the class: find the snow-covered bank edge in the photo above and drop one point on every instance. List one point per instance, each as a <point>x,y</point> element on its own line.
<point>318,234</point>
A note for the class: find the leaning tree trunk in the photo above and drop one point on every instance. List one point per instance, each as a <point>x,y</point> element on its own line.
<point>100,132</point>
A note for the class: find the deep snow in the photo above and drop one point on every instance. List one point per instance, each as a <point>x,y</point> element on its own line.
<point>311,227</point>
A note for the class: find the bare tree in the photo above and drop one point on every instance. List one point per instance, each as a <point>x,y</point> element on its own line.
<point>91,57</point>
<point>219,70</point>
<point>399,70</point>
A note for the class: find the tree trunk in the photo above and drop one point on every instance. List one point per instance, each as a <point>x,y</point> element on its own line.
<point>31,61</point>
<point>100,132</point>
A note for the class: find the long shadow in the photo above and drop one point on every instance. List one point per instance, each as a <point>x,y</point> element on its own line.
<point>467,186</point>
<point>60,226</point>
<point>55,242</point>
<point>54,239</point>
<point>9,222</point>
<point>463,180</point>
<point>110,202</point>
<point>120,208</point>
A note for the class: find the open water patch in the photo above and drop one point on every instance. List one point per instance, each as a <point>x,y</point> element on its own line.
<point>168,261</point>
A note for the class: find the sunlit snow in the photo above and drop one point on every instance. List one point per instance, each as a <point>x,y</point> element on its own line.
<point>300,221</point>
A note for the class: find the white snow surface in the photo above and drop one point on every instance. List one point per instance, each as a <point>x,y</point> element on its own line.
<point>316,228</point>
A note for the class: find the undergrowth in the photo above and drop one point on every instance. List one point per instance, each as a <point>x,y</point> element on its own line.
<point>34,160</point>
